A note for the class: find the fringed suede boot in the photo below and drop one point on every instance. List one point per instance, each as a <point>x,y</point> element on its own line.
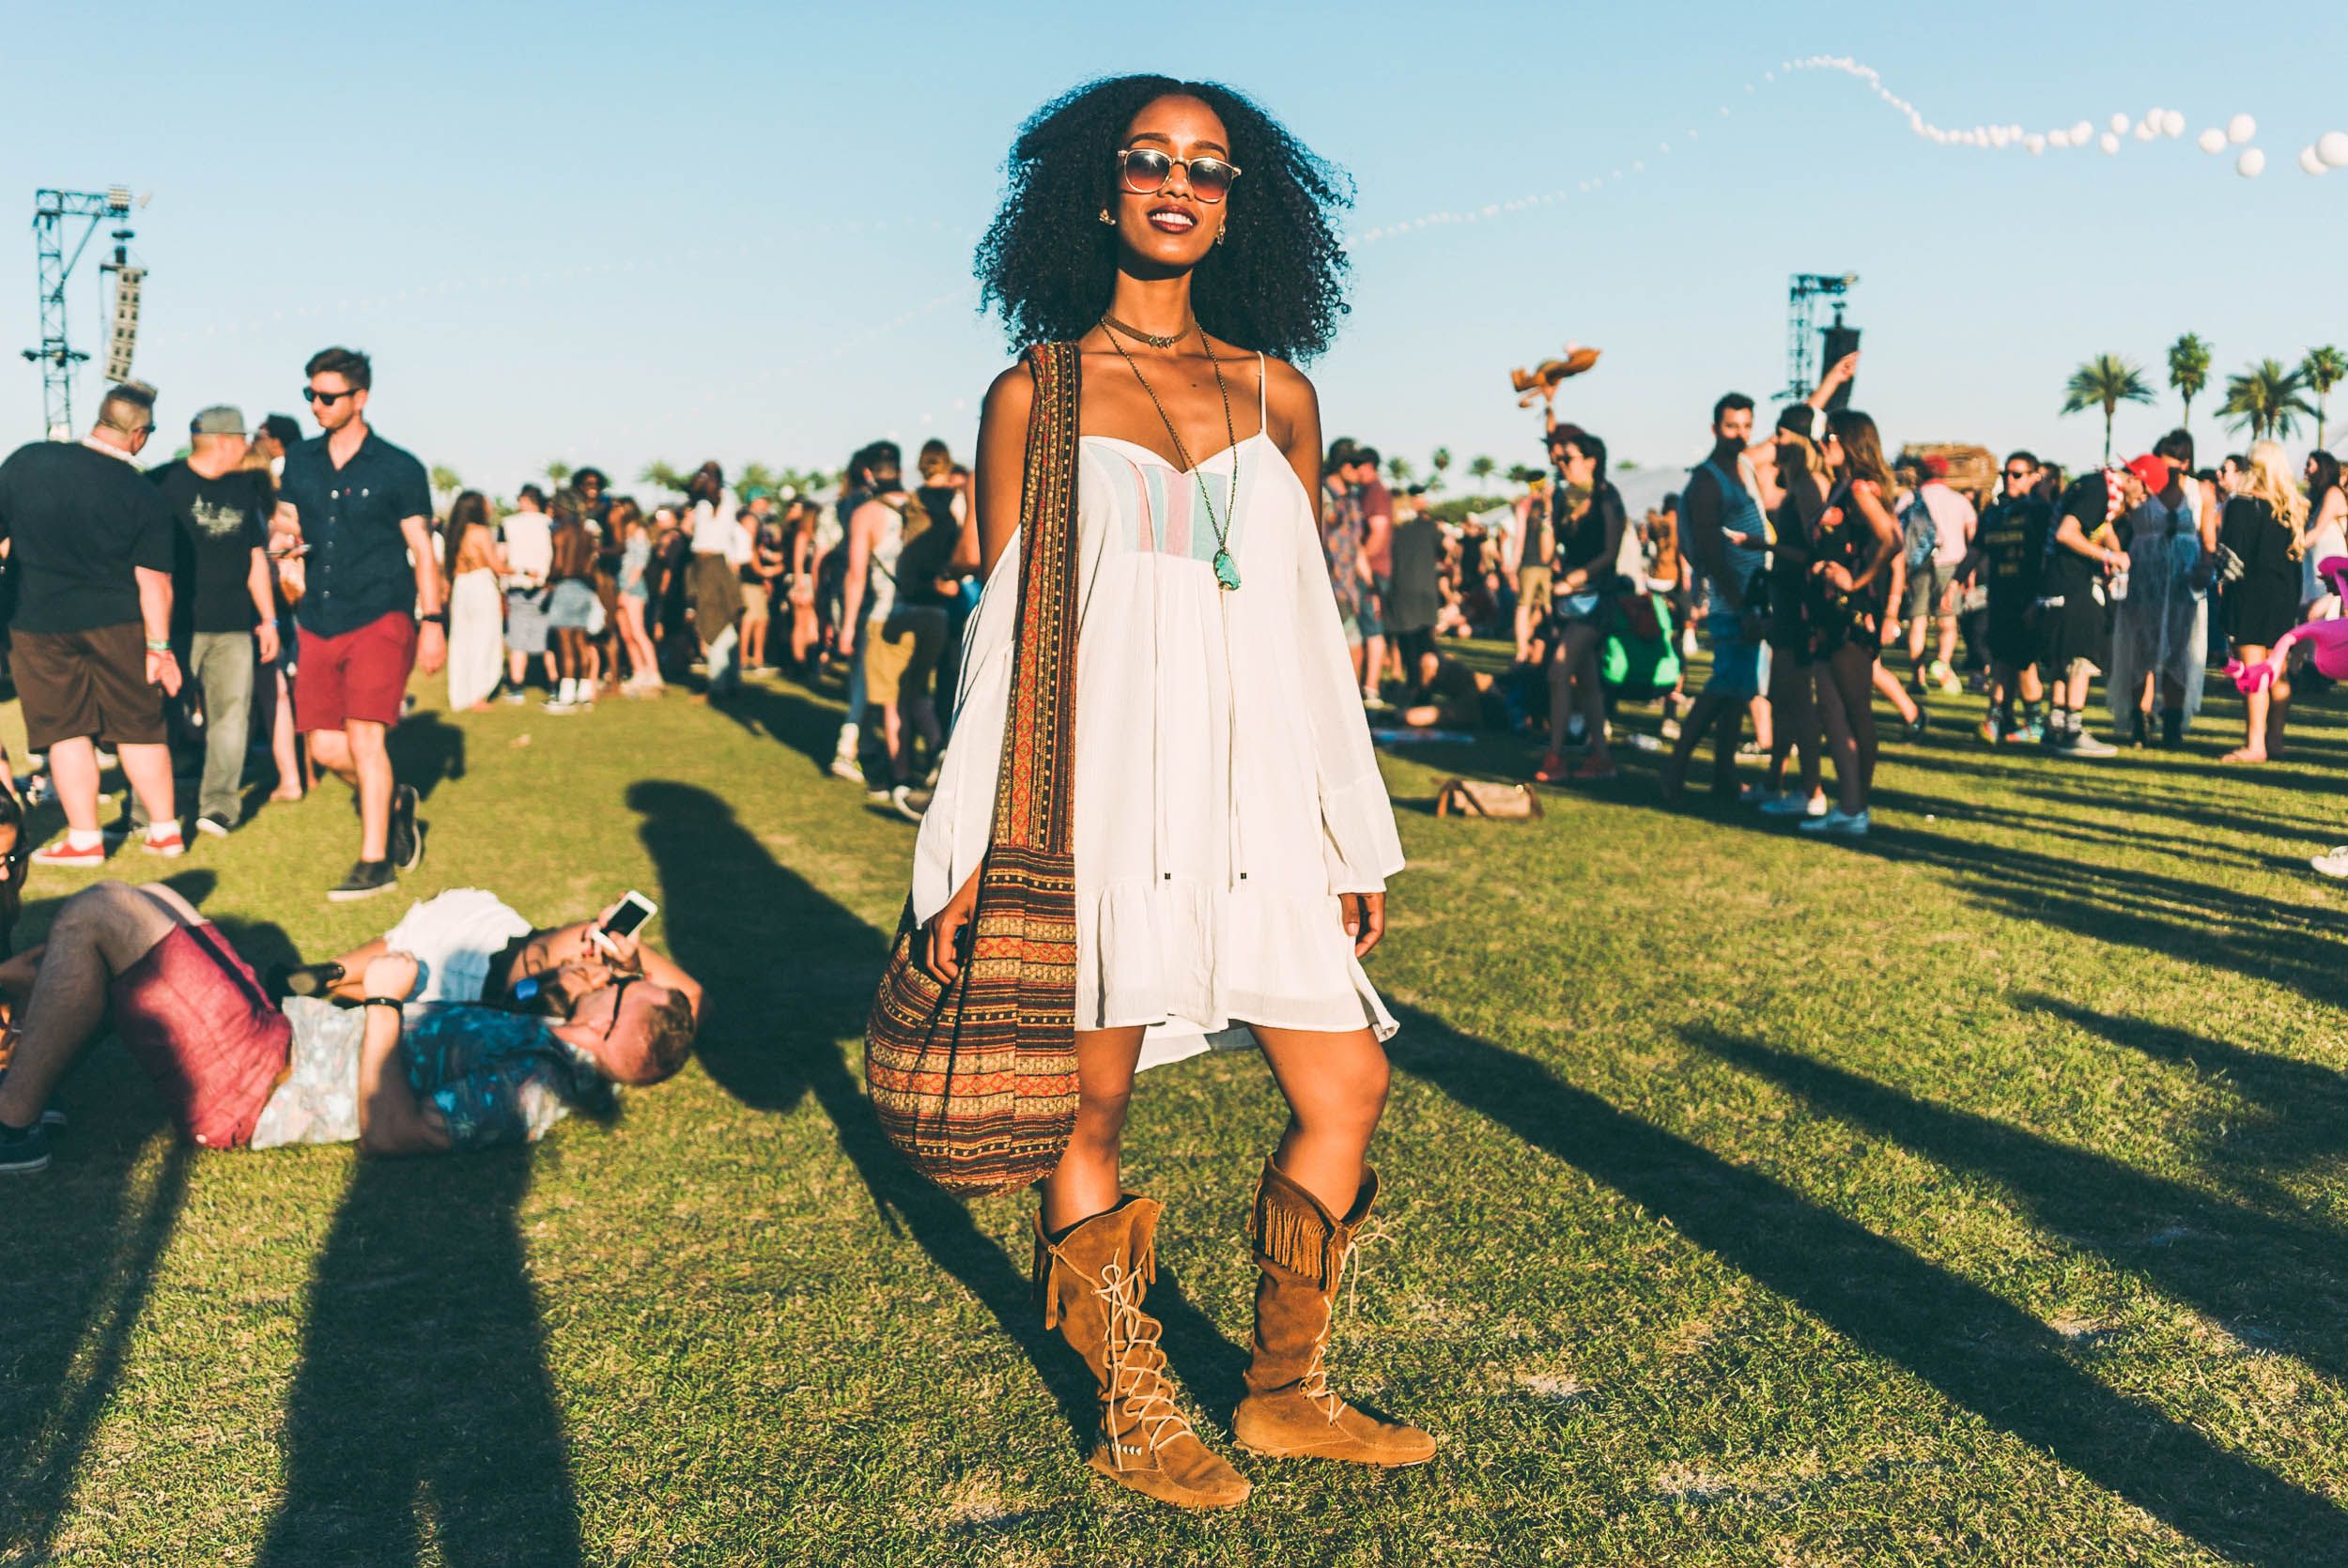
<point>1290,1412</point>
<point>1092,1281</point>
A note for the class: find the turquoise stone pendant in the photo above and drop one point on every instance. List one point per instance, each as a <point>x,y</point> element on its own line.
<point>1227,571</point>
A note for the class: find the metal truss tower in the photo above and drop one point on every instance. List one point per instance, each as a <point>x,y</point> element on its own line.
<point>1801,328</point>
<point>53,212</point>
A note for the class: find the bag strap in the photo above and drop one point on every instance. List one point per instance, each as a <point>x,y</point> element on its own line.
<point>1032,807</point>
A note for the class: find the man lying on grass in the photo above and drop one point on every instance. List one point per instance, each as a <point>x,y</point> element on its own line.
<point>235,1071</point>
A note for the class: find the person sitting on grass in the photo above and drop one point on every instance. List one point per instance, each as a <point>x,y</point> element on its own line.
<point>235,1070</point>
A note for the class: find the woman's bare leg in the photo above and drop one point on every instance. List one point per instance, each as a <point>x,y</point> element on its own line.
<point>1336,1086</point>
<point>1087,1180</point>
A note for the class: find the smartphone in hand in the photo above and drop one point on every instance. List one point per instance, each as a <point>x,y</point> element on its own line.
<point>626,920</point>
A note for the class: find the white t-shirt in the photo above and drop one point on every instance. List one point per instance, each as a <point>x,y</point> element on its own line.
<point>1953,520</point>
<point>529,547</point>
<point>717,531</point>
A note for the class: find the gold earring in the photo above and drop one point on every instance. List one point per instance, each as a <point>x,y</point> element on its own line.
<point>1221,233</point>
<point>1107,219</point>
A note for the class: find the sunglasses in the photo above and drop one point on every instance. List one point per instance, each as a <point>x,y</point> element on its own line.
<point>2018,474</point>
<point>329,399</point>
<point>1144,171</point>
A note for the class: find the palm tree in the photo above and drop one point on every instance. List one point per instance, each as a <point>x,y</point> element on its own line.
<point>1399,468</point>
<point>2189,371</point>
<point>662,476</point>
<point>2266,400</point>
<point>2105,381</point>
<point>558,473</point>
<point>1481,467</point>
<point>2323,370</point>
<point>1522,473</point>
<point>1440,460</point>
<point>445,480</point>
<point>756,476</point>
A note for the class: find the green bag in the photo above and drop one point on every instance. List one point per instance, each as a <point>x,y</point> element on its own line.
<point>1640,656</point>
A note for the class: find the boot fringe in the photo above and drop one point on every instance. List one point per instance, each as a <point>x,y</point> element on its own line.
<point>1292,1232</point>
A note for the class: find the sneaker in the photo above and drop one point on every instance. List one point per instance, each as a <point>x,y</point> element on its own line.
<point>1592,770</point>
<point>2334,864</point>
<point>514,698</point>
<point>1552,771</point>
<point>1758,794</point>
<point>50,1115</point>
<point>847,768</point>
<point>556,705</point>
<point>909,802</point>
<point>168,843</point>
<point>62,852</point>
<point>367,878</point>
<point>2085,744</point>
<point>1990,734</point>
<point>1850,825</point>
<point>406,846</point>
<point>1792,804</point>
<point>1372,702</point>
<point>214,824</point>
<point>1916,729</point>
<point>23,1153</point>
<point>1945,678</point>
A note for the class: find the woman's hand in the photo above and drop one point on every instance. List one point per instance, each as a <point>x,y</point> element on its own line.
<point>391,975</point>
<point>1364,917</point>
<point>1836,576</point>
<point>942,940</point>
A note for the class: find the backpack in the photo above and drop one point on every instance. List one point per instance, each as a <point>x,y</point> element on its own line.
<point>1924,535</point>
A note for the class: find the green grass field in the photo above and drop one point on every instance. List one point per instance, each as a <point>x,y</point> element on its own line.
<point>1975,1193</point>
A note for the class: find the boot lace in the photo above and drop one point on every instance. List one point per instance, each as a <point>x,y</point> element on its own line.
<point>1314,1385</point>
<point>1138,1384</point>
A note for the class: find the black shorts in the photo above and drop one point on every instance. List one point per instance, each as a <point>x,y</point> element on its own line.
<point>93,685</point>
<point>2012,640</point>
<point>1415,644</point>
<point>2073,629</point>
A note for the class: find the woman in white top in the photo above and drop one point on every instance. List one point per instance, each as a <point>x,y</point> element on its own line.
<point>1233,835</point>
<point>2326,535</point>
<point>476,620</point>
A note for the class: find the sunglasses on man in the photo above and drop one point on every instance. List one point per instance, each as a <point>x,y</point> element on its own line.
<point>328,398</point>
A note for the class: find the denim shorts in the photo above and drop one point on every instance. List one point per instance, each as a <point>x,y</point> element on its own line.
<point>1741,666</point>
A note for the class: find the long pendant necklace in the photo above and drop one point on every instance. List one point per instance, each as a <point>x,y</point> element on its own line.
<point>1226,569</point>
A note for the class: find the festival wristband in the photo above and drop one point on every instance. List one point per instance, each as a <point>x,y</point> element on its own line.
<point>155,645</point>
<point>392,1002</point>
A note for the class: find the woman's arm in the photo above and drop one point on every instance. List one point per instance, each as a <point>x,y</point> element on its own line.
<point>1868,500</point>
<point>1000,468</point>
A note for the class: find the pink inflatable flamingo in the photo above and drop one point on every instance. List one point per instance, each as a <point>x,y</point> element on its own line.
<point>2326,641</point>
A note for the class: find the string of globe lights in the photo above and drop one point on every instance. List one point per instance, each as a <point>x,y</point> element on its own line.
<point>2325,153</point>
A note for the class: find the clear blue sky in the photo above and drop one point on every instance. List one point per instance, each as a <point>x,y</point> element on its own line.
<point>612,233</point>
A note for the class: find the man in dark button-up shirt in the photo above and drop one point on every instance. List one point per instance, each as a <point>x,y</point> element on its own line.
<point>365,512</point>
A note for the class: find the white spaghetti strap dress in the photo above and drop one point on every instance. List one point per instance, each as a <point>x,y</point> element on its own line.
<point>1225,788</point>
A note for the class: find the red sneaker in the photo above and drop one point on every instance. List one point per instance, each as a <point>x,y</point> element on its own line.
<point>1552,771</point>
<point>1592,770</point>
<point>64,853</point>
<point>168,843</point>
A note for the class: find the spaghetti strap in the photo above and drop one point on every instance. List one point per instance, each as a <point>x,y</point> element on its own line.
<point>1263,395</point>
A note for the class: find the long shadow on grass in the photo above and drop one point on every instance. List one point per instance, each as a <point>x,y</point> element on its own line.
<point>83,1243</point>
<point>422,1418</point>
<point>1980,1351</point>
<point>2184,917</point>
<point>791,974</point>
<point>804,723</point>
<point>2306,1105</point>
<point>2282,1279</point>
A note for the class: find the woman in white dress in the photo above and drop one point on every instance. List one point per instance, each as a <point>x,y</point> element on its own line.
<point>2327,536</point>
<point>476,620</point>
<point>1233,835</point>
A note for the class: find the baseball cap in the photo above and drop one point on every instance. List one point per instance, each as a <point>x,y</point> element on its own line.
<point>220,418</point>
<point>1934,465</point>
<point>2152,471</point>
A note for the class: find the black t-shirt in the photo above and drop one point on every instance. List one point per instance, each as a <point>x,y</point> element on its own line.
<point>2067,572</point>
<point>2012,539</point>
<point>79,520</point>
<point>222,522</point>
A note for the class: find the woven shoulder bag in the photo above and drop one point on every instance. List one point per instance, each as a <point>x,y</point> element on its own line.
<point>976,1081</point>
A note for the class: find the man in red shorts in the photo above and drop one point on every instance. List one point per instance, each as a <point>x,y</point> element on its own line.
<point>365,512</point>
<point>236,1071</point>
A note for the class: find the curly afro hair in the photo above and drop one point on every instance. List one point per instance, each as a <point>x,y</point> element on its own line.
<point>1275,284</point>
